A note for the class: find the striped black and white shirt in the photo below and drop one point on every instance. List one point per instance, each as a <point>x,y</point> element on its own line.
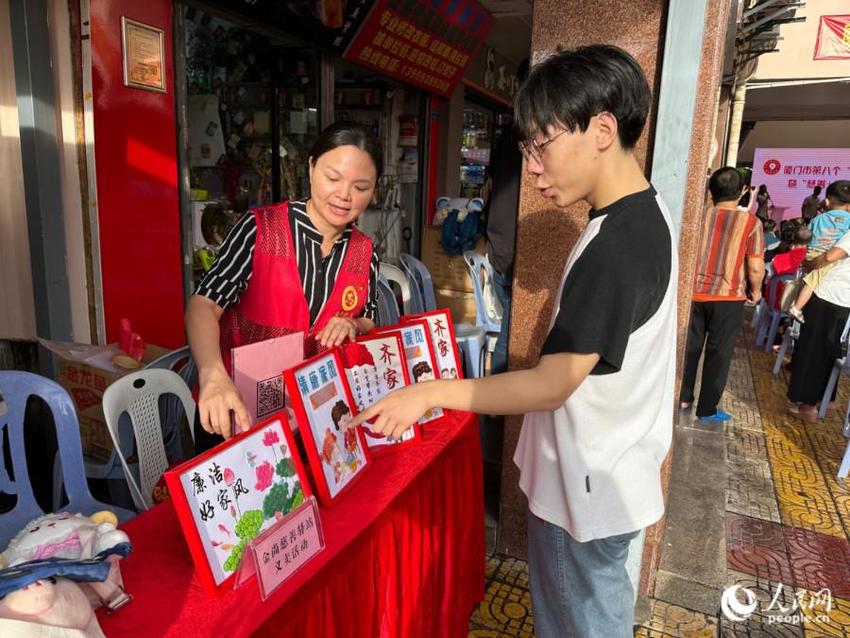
<point>228,278</point>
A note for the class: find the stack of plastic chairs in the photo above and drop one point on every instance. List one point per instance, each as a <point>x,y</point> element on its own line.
<point>16,388</point>
<point>488,310</point>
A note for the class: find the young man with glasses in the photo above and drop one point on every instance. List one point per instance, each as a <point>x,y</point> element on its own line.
<point>599,403</point>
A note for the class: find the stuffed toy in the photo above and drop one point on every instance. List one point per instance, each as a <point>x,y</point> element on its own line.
<point>57,570</point>
<point>47,608</point>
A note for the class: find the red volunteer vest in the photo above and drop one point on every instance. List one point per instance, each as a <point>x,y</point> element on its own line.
<point>274,304</point>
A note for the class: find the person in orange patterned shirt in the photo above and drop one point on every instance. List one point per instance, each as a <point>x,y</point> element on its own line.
<point>729,272</point>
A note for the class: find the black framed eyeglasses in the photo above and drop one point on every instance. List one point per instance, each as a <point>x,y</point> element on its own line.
<point>533,148</point>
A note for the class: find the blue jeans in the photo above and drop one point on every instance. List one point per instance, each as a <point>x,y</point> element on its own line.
<point>502,286</point>
<point>579,590</point>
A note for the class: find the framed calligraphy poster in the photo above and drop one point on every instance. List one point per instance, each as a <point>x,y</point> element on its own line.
<point>325,410</point>
<point>446,352</point>
<point>228,496</point>
<point>419,354</point>
<point>375,366</point>
<point>143,53</point>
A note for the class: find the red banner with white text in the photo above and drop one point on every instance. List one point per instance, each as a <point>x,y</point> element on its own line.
<point>428,44</point>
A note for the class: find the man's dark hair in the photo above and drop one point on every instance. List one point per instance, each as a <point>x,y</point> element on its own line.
<point>725,184</point>
<point>839,192</point>
<point>568,88</point>
<point>816,190</point>
<point>768,225</point>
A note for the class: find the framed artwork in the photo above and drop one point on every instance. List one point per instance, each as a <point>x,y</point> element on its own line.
<point>375,366</point>
<point>228,496</point>
<point>325,410</point>
<point>419,354</point>
<point>143,54</point>
<point>446,352</point>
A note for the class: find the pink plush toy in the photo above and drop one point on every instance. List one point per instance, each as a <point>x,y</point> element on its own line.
<point>49,608</point>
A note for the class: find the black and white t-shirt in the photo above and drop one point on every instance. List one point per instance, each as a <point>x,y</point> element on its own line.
<point>228,278</point>
<point>593,465</point>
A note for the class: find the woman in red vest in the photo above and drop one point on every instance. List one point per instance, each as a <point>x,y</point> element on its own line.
<point>298,266</point>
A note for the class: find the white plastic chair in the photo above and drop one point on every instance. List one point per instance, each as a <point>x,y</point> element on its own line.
<point>138,395</point>
<point>488,309</point>
<point>842,364</point>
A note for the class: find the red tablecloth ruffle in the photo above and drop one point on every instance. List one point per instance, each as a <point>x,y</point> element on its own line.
<point>404,556</point>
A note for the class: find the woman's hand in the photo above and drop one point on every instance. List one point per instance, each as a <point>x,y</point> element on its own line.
<point>398,410</point>
<point>217,398</point>
<point>337,331</point>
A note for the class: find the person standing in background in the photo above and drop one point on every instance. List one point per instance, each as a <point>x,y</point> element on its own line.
<point>731,256</point>
<point>812,205</point>
<point>764,202</point>
<point>505,168</point>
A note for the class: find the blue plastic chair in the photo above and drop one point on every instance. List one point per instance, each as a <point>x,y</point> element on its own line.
<point>419,275</point>
<point>388,313</point>
<point>16,388</point>
<point>769,316</point>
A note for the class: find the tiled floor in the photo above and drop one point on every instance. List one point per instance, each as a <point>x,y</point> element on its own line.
<point>787,525</point>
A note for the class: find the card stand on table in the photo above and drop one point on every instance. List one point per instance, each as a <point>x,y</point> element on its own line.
<point>279,552</point>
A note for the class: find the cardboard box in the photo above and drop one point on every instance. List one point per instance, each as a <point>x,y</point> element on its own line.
<point>459,302</point>
<point>447,271</point>
<point>85,371</point>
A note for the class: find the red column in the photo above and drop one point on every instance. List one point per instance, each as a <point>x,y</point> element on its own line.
<point>137,190</point>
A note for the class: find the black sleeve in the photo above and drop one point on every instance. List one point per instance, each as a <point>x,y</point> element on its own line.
<point>370,310</point>
<point>229,275</point>
<point>612,290</point>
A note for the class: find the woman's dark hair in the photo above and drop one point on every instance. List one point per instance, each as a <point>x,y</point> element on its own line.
<point>802,235</point>
<point>725,184</point>
<point>570,87</point>
<point>839,192</point>
<point>349,134</point>
<point>762,189</point>
<point>338,411</point>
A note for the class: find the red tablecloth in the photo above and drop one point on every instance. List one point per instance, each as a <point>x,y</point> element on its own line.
<point>404,556</point>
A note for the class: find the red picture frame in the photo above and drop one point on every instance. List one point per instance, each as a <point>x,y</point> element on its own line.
<point>454,352</point>
<point>412,435</point>
<point>428,356</point>
<point>327,454</point>
<point>202,546</point>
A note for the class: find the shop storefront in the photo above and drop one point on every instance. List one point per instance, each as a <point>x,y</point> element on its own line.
<point>255,99</point>
<point>243,89</point>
